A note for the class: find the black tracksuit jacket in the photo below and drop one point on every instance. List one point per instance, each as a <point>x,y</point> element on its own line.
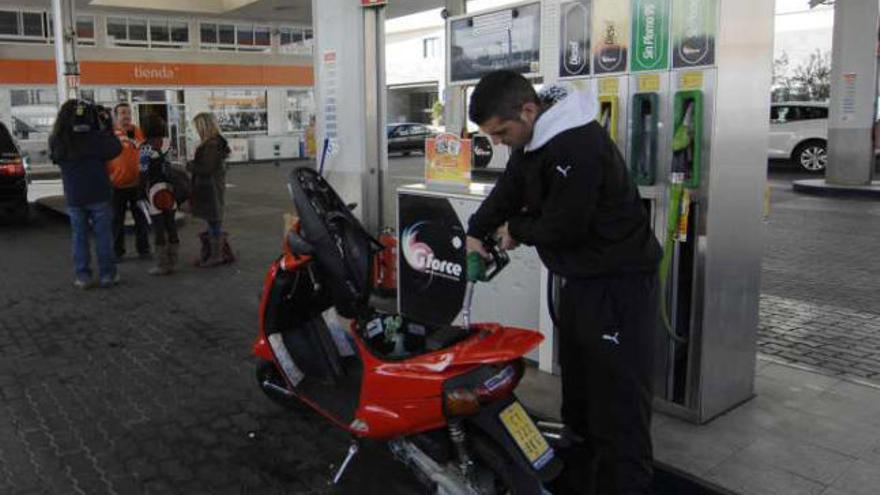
<point>573,199</point>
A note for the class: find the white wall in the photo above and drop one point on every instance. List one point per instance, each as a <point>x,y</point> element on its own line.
<point>404,61</point>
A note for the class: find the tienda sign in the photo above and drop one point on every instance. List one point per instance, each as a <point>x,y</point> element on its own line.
<point>157,73</point>
<point>373,3</point>
<point>96,72</point>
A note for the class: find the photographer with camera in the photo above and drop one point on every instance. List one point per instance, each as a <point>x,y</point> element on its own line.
<point>81,143</point>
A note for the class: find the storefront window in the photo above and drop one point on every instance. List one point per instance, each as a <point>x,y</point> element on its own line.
<point>23,26</point>
<point>9,22</point>
<point>85,29</point>
<point>32,23</point>
<point>159,32</point>
<point>179,32</point>
<point>36,27</point>
<point>152,95</point>
<point>245,35</point>
<point>240,111</point>
<point>300,109</point>
<point>241,37</point>
<point>137,30</point>
<point>152,33</point>
<point>208,33</point>
<point>116,29</point>
<point>227,34</point>
<point>295,40</point>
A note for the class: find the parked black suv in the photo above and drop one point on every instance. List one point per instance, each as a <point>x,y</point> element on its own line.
<point>13,178</point>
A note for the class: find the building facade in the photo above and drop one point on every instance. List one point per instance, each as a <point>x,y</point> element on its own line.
<point>256,77</point>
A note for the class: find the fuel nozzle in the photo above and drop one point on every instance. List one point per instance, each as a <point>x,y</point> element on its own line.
<point>682,141</point>
<point>480,269</point>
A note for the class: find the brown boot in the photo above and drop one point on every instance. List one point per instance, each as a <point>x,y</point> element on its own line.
<point>215,258</point>
<point>162,261</point>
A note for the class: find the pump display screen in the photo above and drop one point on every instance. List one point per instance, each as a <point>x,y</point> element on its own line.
<point>504,39</point>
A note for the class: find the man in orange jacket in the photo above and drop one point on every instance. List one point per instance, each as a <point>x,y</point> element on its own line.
<point>124,171</point>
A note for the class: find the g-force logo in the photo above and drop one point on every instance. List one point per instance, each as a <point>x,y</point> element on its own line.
<point>420,257</point>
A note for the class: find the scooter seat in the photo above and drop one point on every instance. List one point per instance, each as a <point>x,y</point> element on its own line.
<point>444,336</point>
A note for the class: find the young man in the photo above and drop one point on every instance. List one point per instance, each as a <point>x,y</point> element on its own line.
<point>124,173</point>
<point>567,192</point>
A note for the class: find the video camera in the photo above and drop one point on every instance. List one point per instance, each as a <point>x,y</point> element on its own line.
<point>91,117</point>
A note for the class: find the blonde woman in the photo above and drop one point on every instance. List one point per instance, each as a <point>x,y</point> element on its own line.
<point>208,170</point>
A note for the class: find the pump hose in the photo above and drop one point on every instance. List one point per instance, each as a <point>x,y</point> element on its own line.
<point>673,213</point>
<point>676,190</point>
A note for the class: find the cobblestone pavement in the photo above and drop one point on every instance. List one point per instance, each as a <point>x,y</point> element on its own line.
<point>149,387</point>
<point>820,282</point>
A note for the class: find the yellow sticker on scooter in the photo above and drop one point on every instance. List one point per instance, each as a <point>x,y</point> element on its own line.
<point>526,435</point>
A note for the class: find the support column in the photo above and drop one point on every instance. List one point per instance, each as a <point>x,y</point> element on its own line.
<point>350,96</point>
<point>454,116</point>
<point>375,135</point>
<point>58,28</point>
<point>853,93</point>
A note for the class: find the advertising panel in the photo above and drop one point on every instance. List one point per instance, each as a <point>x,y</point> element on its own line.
<point>610,36</point>
<point>509,38</point>
<point>432,259</point>
<point>650,35</point>
<point>694,23</point>
<point>448,160</point>
<point>574,38</point>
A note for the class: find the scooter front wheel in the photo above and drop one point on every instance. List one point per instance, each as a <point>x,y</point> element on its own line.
<point>273,385</point>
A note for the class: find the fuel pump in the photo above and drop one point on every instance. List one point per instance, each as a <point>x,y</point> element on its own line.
<point>608,111</point>
<point>643,142</point>
<point>688,136</point>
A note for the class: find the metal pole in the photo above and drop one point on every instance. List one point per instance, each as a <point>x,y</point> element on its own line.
<point>454,118</point>
<point>58,33</point>
<point>374,69</point>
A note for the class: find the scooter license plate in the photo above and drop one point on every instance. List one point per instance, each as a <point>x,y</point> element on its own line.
<point>526,435</point>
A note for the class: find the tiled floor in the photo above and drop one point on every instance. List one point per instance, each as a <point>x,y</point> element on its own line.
<point>803,433</point>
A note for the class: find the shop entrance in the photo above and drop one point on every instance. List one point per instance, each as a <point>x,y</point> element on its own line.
<point>174,115</point>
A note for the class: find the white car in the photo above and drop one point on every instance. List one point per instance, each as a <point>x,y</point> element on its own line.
<point>799,132</point>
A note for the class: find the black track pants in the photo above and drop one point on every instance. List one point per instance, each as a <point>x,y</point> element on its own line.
<point>606,352</point>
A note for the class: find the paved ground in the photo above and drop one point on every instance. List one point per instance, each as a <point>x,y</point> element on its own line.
<point>820,281</point>
<point>149,388</point>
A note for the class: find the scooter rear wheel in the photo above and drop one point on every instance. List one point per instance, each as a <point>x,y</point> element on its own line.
<point>499,465</point>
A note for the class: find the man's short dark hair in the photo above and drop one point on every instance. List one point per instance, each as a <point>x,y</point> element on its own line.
<point>120,105</point>
<point>500,94</point>
<point>154,127</point>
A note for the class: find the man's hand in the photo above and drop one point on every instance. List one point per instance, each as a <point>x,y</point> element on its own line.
<point>505,241</point>
<point>473,244</point>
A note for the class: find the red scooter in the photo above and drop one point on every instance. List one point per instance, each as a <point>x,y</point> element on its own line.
<point>440,396</point>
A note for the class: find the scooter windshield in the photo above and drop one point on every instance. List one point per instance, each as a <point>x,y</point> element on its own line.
<point>343,249</point>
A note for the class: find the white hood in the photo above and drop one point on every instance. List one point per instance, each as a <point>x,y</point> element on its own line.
<point>575,110</point>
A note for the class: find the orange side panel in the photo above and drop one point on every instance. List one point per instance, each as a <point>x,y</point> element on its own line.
<point>100,73</point>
